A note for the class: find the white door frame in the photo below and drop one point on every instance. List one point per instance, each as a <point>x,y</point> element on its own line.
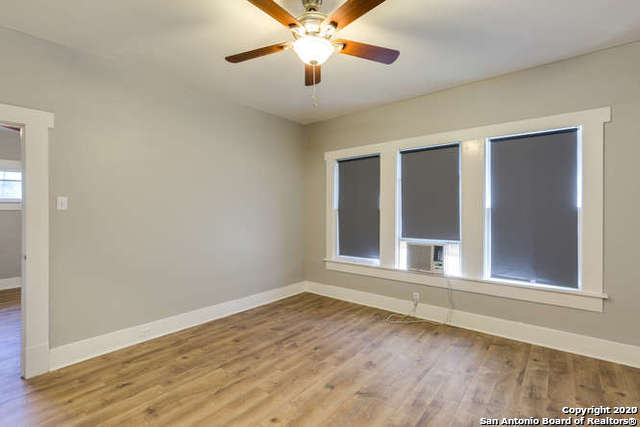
<point>35,239</point>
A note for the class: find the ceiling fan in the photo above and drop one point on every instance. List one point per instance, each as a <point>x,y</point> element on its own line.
<point>313,35</point>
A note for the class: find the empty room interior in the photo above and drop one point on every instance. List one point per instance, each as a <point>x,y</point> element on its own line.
<point>319,212</point>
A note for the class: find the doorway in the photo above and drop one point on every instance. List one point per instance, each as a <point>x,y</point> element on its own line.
<point>33,304</point>
<point>11,233</point>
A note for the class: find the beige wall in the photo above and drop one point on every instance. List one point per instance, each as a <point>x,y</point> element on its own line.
<point>177,200</point>
<point>10,221</point>
<point>610,77</point>
<point>11,244</point>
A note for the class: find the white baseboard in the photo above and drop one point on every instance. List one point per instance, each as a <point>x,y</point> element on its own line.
<point>612,351</point>
<point>69,354</point>
<point>10,283</point>
<point>36,360</point>
<point>546,337</point>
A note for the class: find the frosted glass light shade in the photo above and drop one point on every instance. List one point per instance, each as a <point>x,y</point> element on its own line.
<point>313,50</point>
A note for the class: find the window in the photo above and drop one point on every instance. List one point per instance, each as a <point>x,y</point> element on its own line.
<point>359,207</point>
<point>533,208</point>
<point>10,186</point>
<point>513,210</point>
<point>430,201</point>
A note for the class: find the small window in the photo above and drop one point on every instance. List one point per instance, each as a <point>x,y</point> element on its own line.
<point>533,203</point>
<point>359,208</point>
<point>10,186</point>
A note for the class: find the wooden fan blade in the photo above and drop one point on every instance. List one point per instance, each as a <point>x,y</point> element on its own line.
<point>276,12</point>
<point>244,56</point>
<point>309,74</point>
<point>368,51</point>
<point>350,11</point>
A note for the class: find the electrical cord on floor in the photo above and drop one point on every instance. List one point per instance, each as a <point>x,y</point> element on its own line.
<point>411,317</point>
<point>406,319</point>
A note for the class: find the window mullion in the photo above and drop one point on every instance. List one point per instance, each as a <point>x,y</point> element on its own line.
<point>388,174</point>
<point>472,207</point>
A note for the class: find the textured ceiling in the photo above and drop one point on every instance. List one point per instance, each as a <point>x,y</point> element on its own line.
<point>443,43</point>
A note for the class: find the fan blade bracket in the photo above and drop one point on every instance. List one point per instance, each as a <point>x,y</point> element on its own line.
<point>330,28</point>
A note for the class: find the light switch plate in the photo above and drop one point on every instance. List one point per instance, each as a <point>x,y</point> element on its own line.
<point>62,203</point>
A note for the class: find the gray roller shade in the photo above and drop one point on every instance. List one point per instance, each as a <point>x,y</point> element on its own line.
<point>534,214</point>
<point>431,193</point>
<point>358,207</point>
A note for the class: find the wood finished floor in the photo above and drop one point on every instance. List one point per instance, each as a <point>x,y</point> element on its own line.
<point>310,360</point>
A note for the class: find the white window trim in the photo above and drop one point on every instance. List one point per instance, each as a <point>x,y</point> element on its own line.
<point>591,294</point>
<point>10,204</point>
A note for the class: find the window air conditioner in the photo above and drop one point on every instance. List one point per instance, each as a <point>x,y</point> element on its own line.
<point>425,257</point>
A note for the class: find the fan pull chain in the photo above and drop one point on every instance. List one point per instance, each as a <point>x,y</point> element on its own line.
<point>314,96</point>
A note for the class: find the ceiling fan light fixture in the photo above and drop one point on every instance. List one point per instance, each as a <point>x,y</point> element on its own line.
<point>313,50</point>
<point>313,35</point>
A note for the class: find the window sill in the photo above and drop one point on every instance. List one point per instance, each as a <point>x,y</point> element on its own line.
<point>578,299</point>
<point>371,262</point>
<point>9,206</point>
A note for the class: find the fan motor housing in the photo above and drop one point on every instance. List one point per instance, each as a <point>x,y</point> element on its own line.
<point>312,17</point>
<point>311,5</point>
